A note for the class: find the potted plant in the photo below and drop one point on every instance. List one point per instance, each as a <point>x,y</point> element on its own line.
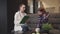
<point>47,26</point>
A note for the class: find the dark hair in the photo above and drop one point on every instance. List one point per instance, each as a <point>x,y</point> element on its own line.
<point>19,5</point>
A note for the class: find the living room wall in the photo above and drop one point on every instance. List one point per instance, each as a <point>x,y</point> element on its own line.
<point>51,6</point>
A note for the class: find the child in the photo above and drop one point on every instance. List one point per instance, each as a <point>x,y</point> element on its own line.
<point>43,18</point>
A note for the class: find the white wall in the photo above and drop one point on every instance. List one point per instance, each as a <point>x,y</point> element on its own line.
<point>30,4</point>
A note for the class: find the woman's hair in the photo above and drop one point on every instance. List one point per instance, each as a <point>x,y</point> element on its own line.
<point>19,5</point>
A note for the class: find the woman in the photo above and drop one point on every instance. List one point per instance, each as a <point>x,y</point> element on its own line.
<point>20,28</point>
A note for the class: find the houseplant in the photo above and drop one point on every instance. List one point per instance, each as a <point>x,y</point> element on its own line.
<point>47,26</point>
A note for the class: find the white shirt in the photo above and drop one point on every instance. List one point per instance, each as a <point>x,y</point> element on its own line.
<point>17,19</point>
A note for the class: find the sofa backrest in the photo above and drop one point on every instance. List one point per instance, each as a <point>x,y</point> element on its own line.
<point>53,19</point>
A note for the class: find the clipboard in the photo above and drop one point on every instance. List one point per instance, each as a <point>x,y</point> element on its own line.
<point>25,18</point>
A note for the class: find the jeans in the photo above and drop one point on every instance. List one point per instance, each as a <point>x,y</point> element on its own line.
<point>18,32</point>
<point>25,28</point>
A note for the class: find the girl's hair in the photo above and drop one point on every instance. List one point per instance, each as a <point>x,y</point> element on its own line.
<point>42,10</point>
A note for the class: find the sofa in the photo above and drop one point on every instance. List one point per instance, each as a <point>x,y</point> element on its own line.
<point>54,19</point>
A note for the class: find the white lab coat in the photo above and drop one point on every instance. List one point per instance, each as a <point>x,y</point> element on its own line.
<point>17,19</point>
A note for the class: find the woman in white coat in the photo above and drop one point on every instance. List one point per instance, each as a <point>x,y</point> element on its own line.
<point>20,28</point>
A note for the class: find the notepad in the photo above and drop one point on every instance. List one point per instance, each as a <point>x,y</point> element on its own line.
<point>25,18</point>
